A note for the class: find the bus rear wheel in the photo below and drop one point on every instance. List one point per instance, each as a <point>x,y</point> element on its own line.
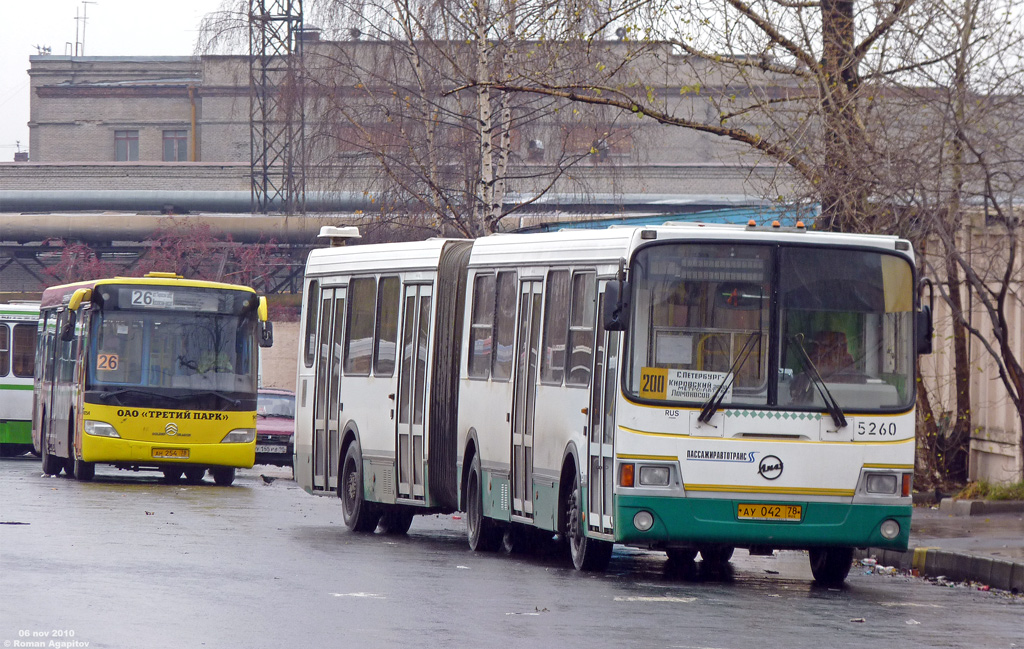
<point>52,464</point>
<point>591,555</point>
<point>358,514</point>
<point>482,533</point>
<point>716,554</point>
<point>830,566</point>
<point>194,475</point>
<point>396,522</point>
<point>223,475</point>
<point>172,476</point>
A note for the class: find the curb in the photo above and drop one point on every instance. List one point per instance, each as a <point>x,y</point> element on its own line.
<point>954,566</point>
<point>980,507</point>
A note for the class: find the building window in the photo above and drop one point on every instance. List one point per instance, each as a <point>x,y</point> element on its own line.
<point>126,146</point>
<point>175,146</point>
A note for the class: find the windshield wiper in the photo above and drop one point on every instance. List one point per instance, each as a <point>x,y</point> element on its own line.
<point>712,404</point>
<point>220,395</point>
<point>830,402</point>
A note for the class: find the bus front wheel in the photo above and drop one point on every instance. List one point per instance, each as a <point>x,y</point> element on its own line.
<point>84,471</point>
<point>482,533</point>
<point>830,566</point>
<point>591,555</point>
<point>358,514</point>
<point>223,475</point>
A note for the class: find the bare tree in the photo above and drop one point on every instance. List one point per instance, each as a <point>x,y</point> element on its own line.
<point>400,105</point>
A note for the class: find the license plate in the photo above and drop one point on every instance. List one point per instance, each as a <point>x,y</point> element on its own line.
<point>270,448</point>
<point>179,453</point>
<point>758,512</point>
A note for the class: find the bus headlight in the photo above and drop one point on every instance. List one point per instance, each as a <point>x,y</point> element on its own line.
<point>239,436</point>
<point>881,483</point>
<point>100,429</point>
<point>654,476</point>
<point>890,529</point>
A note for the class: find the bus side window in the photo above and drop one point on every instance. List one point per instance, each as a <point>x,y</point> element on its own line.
<point>309,342</point>
<point>362,302</point>
<point>556,325</point>
<point>5,349</point>
<point>386,339</point>
<point>481,331</point>
<point>582,318</point>
<point>504,326</point>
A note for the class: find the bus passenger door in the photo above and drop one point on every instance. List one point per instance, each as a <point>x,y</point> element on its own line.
<point>328,385</point>
<point>412,390</point>
<point>525,397</point>
<point>601,452</point>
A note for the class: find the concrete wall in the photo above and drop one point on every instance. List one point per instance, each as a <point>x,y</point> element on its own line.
<point>280,362</point>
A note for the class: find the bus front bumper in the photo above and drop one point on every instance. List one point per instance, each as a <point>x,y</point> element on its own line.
<point>700,520</point>
<point>114,450</point>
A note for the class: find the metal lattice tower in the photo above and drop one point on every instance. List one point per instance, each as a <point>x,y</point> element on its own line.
<point>276,106</point>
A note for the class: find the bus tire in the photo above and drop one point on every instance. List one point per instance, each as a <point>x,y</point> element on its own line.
<point>483,533</point>
<point>194,475</point>
<point>716,554</point>
<point>396,522</point>
<point>52,464</point>
<point>84,471</point>
<point>830,566</point>
<point>587,554</point>
<point>681,556</point>
<point>359,515</point>
<point>172,476</point>
<point>223,476</point>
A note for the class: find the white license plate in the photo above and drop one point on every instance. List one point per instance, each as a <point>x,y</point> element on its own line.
<point>270,448</point>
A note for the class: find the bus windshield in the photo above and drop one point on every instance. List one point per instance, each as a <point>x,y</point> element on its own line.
<point>144,358</point>
<point>773,326</point>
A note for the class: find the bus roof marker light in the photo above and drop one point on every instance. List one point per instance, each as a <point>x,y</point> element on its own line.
<point>751,223</point>
<point>800,225</point>
<point>163,275</point>
<point>776,224</point>
<point>339,234</point>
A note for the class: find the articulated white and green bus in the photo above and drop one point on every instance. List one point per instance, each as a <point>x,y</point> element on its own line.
<point>686,387</point>
<point>18,322</point>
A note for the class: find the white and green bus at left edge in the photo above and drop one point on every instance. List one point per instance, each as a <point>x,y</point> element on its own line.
<point>18,322</point>
<point>685,388</point>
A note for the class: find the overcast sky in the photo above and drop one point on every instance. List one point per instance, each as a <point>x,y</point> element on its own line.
<point>114,28</point>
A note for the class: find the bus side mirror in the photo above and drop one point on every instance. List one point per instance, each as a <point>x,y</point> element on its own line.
<point>923,329</point>
<point>616,306</point>
<point>266,334</point>
<point>67,332</point>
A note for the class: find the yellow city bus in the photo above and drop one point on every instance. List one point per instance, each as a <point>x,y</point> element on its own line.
<point>156,372</point>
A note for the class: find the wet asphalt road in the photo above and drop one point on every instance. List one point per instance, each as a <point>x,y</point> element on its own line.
<point>128,561</point>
